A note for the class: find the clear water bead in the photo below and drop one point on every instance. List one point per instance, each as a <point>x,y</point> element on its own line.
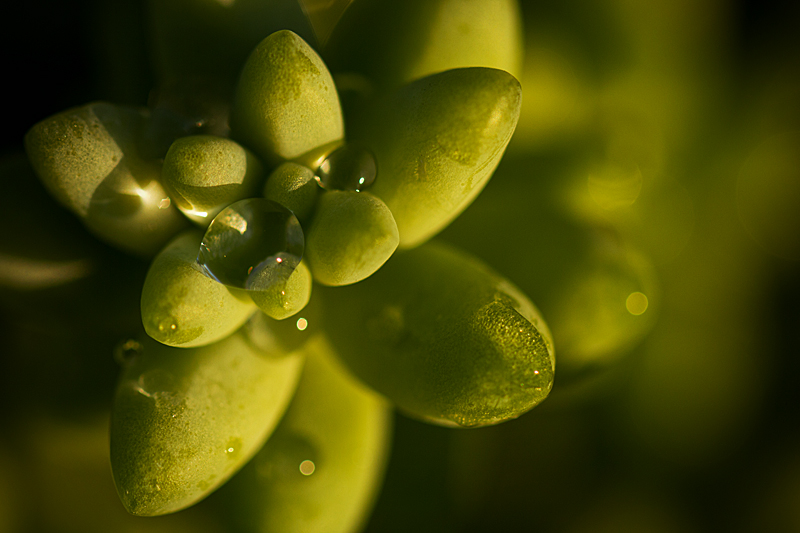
<point>252,244</point>
<point>350,168</point>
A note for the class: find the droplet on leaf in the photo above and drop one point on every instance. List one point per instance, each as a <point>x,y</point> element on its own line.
<point>252,244</point>
<point>350,168</point>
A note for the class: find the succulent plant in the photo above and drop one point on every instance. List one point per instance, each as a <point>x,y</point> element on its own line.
<point>310,265</point>
<point>644,203</point>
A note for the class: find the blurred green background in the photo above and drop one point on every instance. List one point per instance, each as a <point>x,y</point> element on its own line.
<point>649,203</point>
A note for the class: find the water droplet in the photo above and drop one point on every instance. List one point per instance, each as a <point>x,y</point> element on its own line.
<point>233,447</point>
<point>127,351</point>
<point>350,168</point>
<point>164,203</point>
<point>302,324</point>
<point>252,244</point>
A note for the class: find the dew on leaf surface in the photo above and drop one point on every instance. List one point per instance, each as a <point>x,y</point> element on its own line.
<point>252,244</point>
<point>350,168</point>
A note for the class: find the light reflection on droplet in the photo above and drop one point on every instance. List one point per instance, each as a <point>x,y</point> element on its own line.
<point>164,203</point>
<point>302,324</point>
<point>236,221</point>
<point>636,303</point>
<point>307,467</point>
<point>349,168</point>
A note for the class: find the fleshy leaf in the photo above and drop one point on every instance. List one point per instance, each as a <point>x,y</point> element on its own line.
<point>294,187</point>
<point>443,337</point>
<point>322,467</point>
<point>185,420</point>
<point>393,43</point>
<point>182,306</point>
<point>284,299</point>
<point>600,296</point>
<point>351,235</point>
<point>437,142</point>
<point>285,103</point>
<point>204,174</point>
<point>87,159</point>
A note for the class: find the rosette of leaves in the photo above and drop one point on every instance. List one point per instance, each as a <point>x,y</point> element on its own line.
<point>309,296</point>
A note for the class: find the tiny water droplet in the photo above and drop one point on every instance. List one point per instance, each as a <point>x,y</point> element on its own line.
<point>252,244</point>
<point>350,168</point>
<point>164,203</point>
<point>233,447</point>
<point>126,351</point>
<point>302,324</point>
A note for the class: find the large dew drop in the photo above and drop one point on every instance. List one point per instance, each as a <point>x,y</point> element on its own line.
<point>252,244</point>
<point>350,168</point>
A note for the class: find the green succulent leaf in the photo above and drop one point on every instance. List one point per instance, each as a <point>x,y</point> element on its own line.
<point>351,235</point>
<point>394,43</point>
<point>185,420</point>
<point>443,337</point>
<point>599,294</point>
<point>87,159</point>
<point>282,300</point>
<point>285,103</point>
<point>321,469</point>
<point>437,142</point>
<point>203,174</point>
<point>182,306</point>
<point>294,187</point>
